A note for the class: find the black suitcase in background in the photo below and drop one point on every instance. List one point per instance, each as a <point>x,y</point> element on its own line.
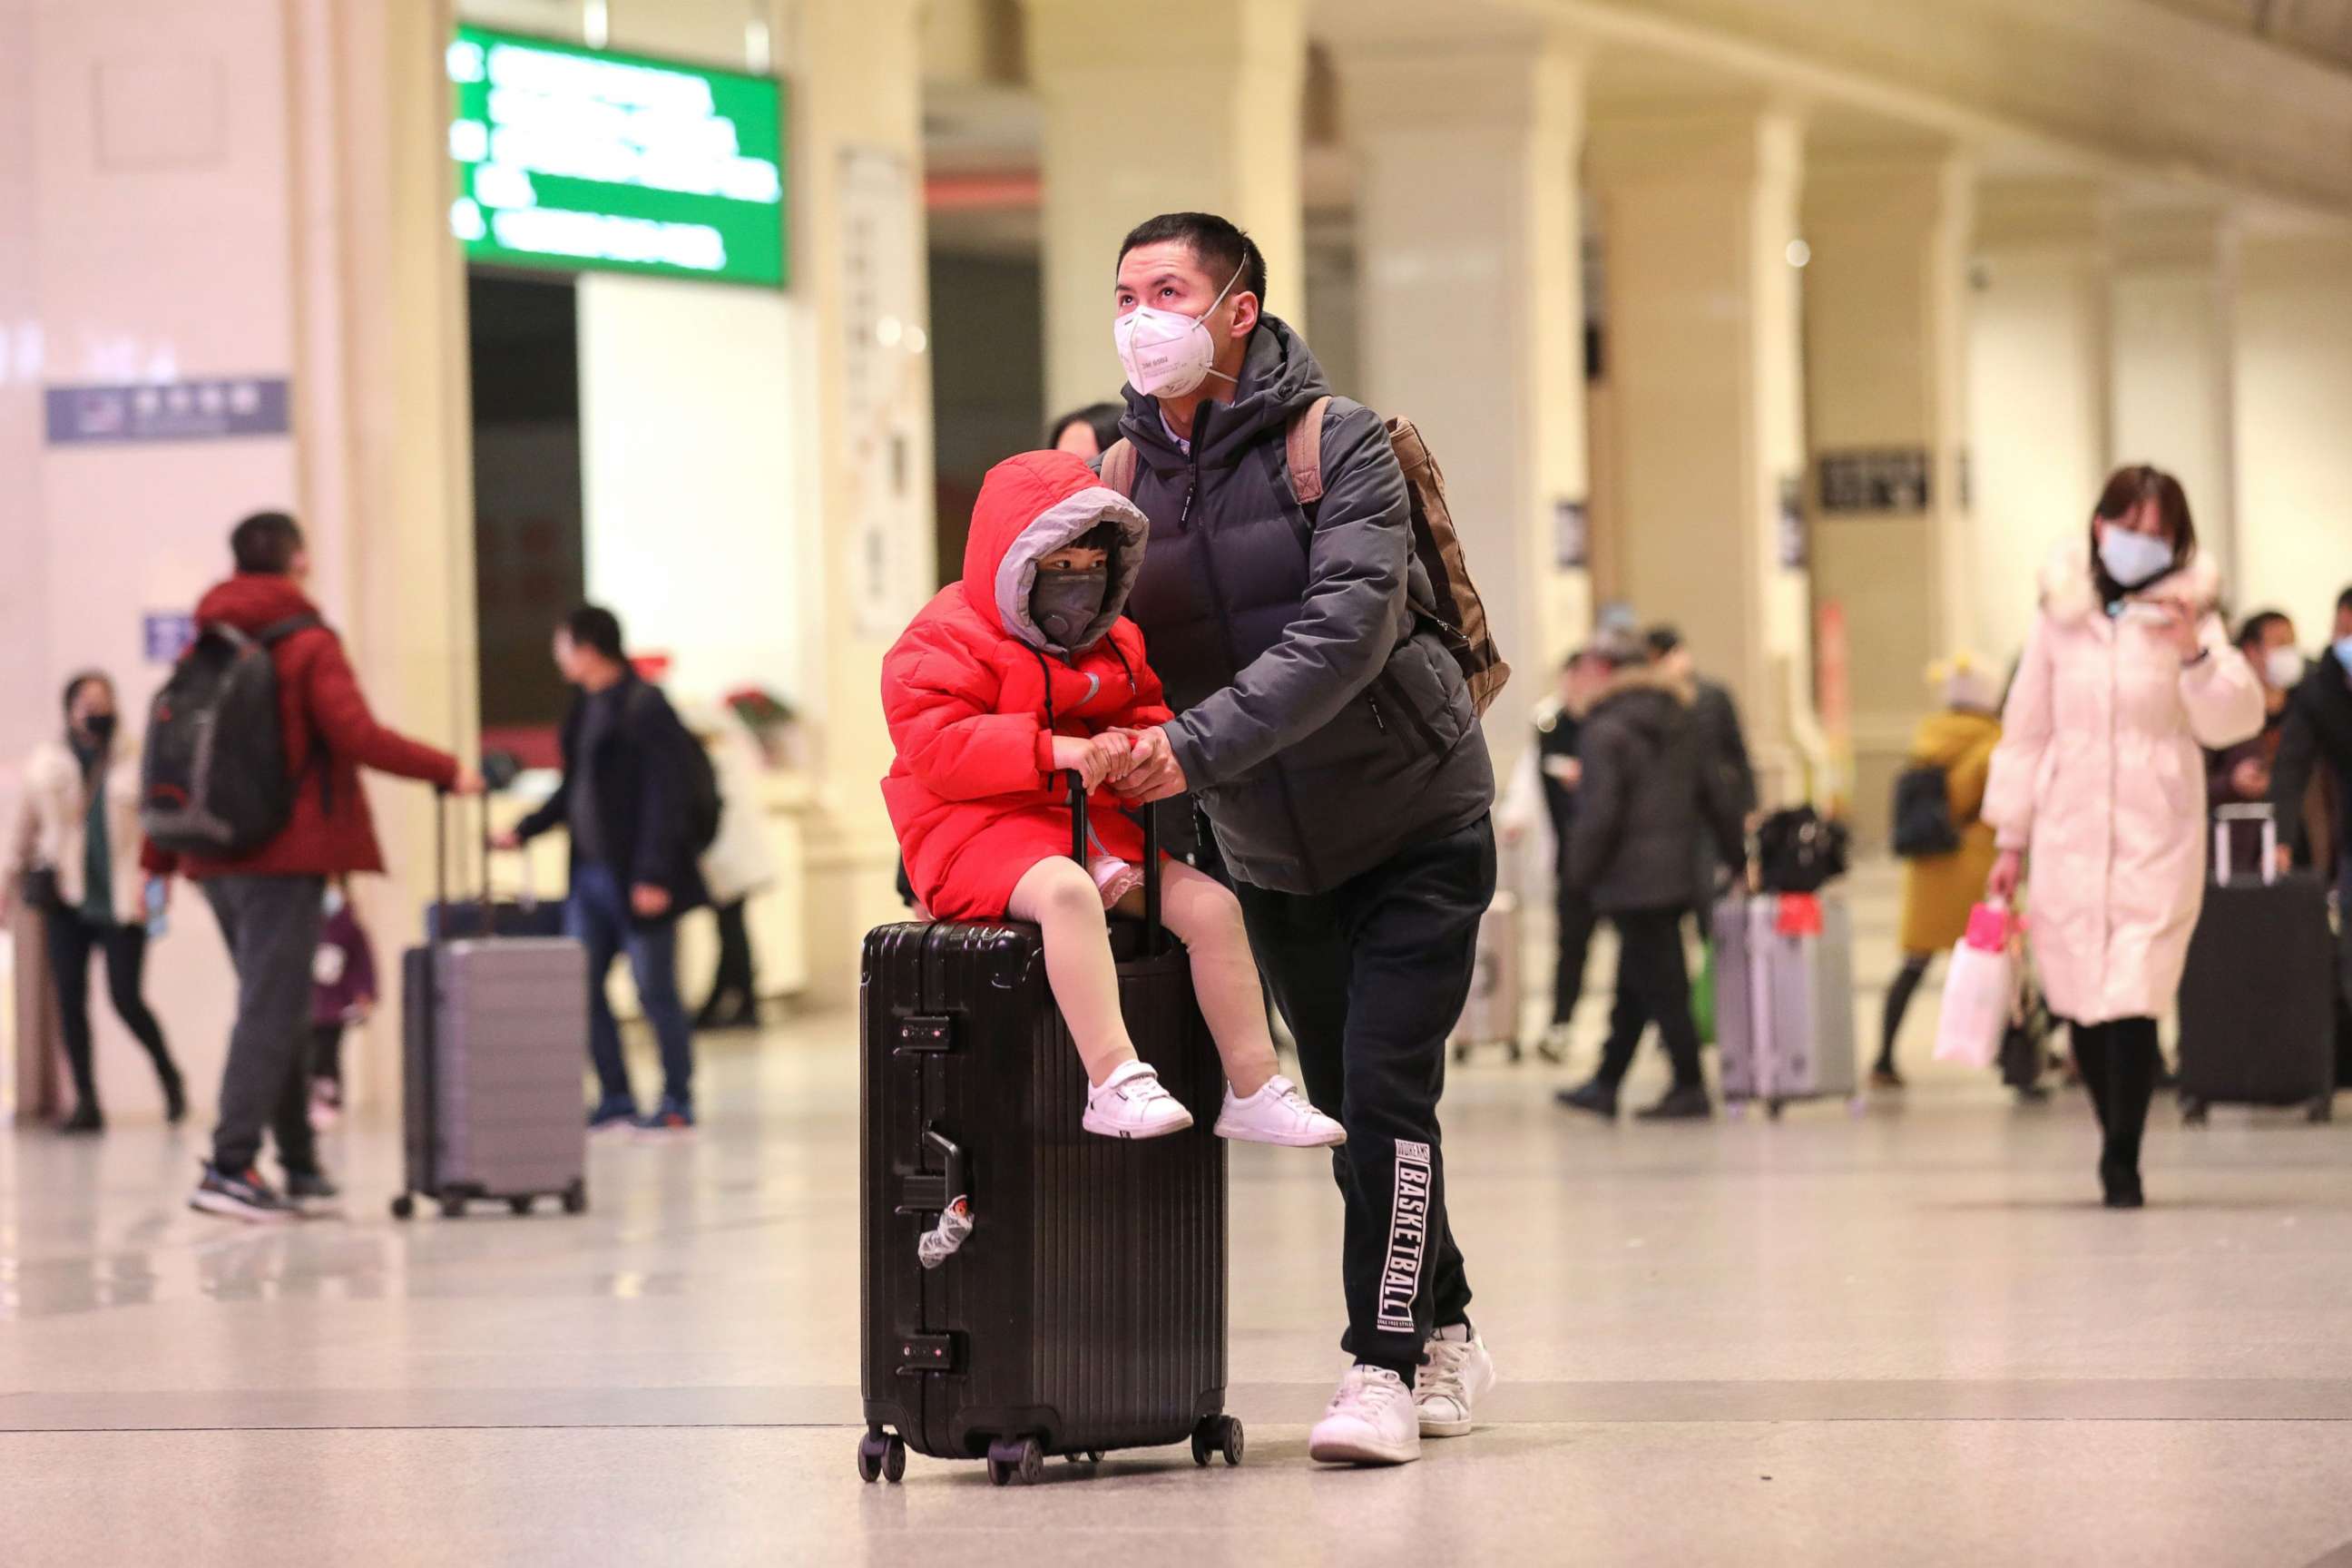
<point>2257,997</point>
<point>1084,1311</point>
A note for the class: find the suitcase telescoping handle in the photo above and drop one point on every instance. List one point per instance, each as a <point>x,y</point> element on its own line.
<point>2225,819</point>
<point>443,803</point>
<point>1078,835</point>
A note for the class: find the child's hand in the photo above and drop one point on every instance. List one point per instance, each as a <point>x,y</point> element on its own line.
<point>1118,747</point>
<point>1078,754</point>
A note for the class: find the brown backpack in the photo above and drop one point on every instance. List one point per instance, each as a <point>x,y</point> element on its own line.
<point>1459,614</point>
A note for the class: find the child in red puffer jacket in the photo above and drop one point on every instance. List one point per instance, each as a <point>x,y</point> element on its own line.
<point>1026,671</point>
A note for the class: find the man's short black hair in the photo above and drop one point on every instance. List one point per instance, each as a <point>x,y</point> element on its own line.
<point>2257,625</point>
<point>1221,248</point>
<point>266,543</point>
<point>598,629</point>
<point>2343,602</point>
<point>1663,640</point>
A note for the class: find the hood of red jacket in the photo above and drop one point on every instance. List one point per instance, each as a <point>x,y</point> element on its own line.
<point>1029,507</point>
<point>253,600</point>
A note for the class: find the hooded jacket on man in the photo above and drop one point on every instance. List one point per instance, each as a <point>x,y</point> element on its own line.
<point>1649,798</point>
<point>975,694</point>
<point>2099,774</point>
<point>1322,724</point>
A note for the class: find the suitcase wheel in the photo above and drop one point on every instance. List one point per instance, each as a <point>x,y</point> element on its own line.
<point>1772,1108</point>
<point>2322,1109</point>
<point>404,1207</point>
<point>872,1450</point>
<point>1515,1052</point>
<point>453,1205</point>
<point>575,1198</point>
<point>1023,1461</point>
<point>1217,1435</point>
<point>520,1204</point>
<point>894,1461</point>
<point>2194,1113</point>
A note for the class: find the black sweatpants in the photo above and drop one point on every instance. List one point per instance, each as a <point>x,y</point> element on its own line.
<point>71,940</point>
<point>1371,977</point>
<point>1574,926</point>
<point>1652,987</point>
<point>2120,1064</point>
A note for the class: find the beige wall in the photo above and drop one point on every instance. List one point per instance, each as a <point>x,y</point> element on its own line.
<point>2295,409</point>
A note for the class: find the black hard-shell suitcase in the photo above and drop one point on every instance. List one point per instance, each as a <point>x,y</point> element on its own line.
<point>1029,1288</point>
<point>2258,996</point>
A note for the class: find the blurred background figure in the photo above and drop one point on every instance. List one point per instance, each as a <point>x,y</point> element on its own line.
<point>1722,743</point>
<point>1088,432</point>
<point>739,864</point>
<point>78,856</point>
<point>342,995</point>
<point>2241,774</point>
<point>1947,848</point>
<point>1538,821</point>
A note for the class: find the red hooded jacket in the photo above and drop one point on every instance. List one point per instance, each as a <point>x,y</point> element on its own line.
<point>319,705</point>
<point>975,695</point>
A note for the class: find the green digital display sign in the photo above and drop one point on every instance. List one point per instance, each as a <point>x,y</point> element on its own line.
<point>571,157</point>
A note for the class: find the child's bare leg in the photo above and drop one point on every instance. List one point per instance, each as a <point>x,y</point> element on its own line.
<point>1225,976</point>
<point>1061,896</point>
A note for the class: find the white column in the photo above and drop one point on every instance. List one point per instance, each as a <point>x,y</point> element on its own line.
<point>2175,286</point>
<point>1697,214</point>
<point>2038,412</point>
<point>1472,309</point>
<point>859,256</point>
<point>1146,114</point>
<point>1886,306</point>
<point>2294,358</point>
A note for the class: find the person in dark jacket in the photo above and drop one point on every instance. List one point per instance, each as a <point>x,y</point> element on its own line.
<point>2241,774</point>
<point>2315,757</point>
<point>1722,743</point>
<point>1652,791</point>
<point>1546,783</point>
<point>624,800</point>
<point>269,902</point>
<point>1329,740</point>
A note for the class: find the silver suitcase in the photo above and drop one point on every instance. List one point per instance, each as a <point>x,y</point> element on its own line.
<point>1497,989</point>
<point>494,1029</point>
<point>1784,1004</point>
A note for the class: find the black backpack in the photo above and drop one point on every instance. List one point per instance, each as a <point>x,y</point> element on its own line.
<point>703,802</point>
<point>1922,813</point>
<point>1799,851</point>
<point>213,782</point>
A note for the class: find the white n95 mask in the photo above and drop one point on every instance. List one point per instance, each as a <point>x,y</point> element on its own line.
<point>1166,353</point>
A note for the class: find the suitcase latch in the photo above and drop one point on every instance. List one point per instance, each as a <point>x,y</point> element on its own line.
<point>926,1032</point>
<point>927,1353</point>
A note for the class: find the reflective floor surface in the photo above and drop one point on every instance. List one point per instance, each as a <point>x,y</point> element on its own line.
<point>1907,1336</point>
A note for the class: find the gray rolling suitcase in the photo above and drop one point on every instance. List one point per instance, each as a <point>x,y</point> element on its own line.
<point>1784,999</point>
<point>1497,989</point>
<point>494,1030</point>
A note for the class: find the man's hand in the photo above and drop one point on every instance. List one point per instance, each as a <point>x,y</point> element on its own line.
<point>1158,776</point>
<point>467,781</point>
<point>2285,860</point>
<point>650,902</point>
<point>506,840</point>
<point>1078,754</point>
<point>2252,779</point>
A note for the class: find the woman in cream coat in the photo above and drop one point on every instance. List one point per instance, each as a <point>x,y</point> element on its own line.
<point>93,883</point>
<point>2099,775</point>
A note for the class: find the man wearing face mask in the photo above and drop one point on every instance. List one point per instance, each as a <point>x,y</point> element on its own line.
<point>2241,774</point>
<point>1330,741</point>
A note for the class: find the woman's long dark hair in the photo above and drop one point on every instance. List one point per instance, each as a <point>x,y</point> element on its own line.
<point>2128,489</point>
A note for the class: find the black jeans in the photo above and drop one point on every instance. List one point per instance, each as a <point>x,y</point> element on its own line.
<point>1899,993</point>
<point>1371,977</point>
<point>271,926</point>
<point>734,986</point>
<point>71,940</point>
<point>1652,987</point>
<point>327,1051</point>
<point>1576,920</point>
<point>2119,1063</point>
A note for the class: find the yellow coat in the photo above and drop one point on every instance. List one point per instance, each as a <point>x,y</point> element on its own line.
<point>1938,890</point>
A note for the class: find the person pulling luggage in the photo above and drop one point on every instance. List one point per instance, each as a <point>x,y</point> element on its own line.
<point>1946,846</point>
<point>1022,673</point>
<point>2099,778</point>
<point>1653,792</point>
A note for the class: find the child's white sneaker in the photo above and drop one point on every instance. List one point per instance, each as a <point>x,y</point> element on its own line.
<point>1277,1113</point>
<point>1133,1103</point>
<point>1454,1371</point>
<point>1370,1421</point>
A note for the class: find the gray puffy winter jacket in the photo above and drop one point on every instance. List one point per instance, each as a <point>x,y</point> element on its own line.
<point>1321,721</point>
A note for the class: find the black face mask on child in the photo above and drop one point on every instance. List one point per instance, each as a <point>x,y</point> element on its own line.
<point>1064,604</point>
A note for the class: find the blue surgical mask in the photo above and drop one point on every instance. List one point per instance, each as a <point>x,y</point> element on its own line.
<point>2133,560</point>
<point>2343,650</point>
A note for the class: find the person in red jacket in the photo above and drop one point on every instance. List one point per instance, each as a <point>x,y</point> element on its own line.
<point>269,902</point>
<point>1022,673</point>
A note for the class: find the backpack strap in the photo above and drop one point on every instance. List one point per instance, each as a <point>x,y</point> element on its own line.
<point>277,632</point>
<point>1118,467</point>
<point>1302,451</point>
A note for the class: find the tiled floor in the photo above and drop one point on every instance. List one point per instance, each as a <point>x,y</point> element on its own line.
<point>1904,1337</point>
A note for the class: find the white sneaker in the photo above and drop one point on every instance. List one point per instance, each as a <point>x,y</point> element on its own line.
<point>1454,1371</point>
<point>1277,1113</point>
<point>1370,1422</point>
<point>1132,1103</point>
